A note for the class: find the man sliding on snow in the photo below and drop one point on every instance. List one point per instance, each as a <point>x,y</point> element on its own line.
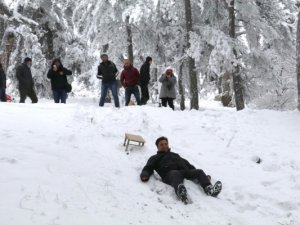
<point>173,170</point>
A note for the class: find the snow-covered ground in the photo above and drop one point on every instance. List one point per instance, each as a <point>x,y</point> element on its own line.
<point>65,165</point>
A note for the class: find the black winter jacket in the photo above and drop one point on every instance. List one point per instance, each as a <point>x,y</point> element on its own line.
<point>145,74</point>
<point>164,162</point>
<point>2,78</point>
<point>58,81</point>
<point>107,72</point>
<point>24,76</point>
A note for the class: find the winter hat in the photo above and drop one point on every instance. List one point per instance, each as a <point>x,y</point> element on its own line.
<point>169,70</point>
<point>160,139</point>
<point>104,55</point>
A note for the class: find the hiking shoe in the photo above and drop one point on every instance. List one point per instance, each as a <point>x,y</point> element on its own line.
<point>208,190</point>
<point>213,190</point>
<point>182,193</point>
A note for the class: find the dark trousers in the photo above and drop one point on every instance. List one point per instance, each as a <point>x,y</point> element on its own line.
<point>113,86</point>
<point>176,177</point>
<point>2,95</point>
<point>59,95</point>
<point>27,92</point>
<point>132,90</point>
<point>145,94</point>
<point>164,102</point>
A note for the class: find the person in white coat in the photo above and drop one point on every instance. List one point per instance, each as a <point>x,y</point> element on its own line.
<point>167,90</point>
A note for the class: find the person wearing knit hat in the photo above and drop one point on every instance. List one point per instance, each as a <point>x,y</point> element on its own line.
<point>173,169</point>
<point>167,90</point>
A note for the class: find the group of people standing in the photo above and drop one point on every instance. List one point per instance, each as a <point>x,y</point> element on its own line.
<point>26,84</point>
<point>131,79</point>
<point>57,74</point>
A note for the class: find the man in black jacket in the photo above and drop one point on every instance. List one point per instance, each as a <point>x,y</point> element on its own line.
<point>26,84</point>
<point>107,72</point>
<point>2,84</point>
<point>173,170</point>
<point>144,80</point>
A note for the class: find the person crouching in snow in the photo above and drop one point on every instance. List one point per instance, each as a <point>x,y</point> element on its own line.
<point>167,90</point>
<point>173,169</point>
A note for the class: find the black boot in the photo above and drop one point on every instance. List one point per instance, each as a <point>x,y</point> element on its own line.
<point>213,190</point>
<point>182,193</point>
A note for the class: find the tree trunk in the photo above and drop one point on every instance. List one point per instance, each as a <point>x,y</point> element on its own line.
<point>191,62</point>
<point>154,84</point>
<point>298,59</point>
<point>49,37</point>
<point>129,40</point>
<point>105,48</point>
<point>226,87</point>
<point>181,87</point>
<point>3,26</point>
<point>193,84</point>
<point>237,81</point>
<point>10,42</point>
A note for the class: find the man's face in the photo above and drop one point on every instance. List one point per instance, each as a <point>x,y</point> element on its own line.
<point>163,146</point>
<point>104,58</point>
<point>126,63</point>
<point>169,72</point>
<point>29,64</point>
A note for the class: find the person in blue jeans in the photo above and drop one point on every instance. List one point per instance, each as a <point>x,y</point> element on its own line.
<point>130,79</point>
<point>107,72</point>
<point>2,84</point>
<point>58,76</point>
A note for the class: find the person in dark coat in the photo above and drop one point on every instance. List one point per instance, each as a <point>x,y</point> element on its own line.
<point>26,84</point>
<point>130,78</point>
<point>107,72</point>
<point>144,80</point>
<point>2,84</point>
<point>58,76</point>
<point>173,169</point>
<point>167,91</point>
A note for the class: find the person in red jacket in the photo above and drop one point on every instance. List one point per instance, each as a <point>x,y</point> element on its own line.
<point>130,79</point>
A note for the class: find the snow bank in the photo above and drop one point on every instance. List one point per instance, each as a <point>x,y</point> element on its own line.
<point>65,165</point>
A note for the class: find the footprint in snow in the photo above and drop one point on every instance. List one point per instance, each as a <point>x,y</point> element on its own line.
<point>8,160</point>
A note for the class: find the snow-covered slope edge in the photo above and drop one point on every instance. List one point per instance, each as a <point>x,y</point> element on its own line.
<point>65,164</point>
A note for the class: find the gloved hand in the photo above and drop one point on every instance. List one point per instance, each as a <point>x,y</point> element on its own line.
<point>144,179</point>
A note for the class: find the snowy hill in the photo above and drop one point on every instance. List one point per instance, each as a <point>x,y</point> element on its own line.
<point>65,165</point>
